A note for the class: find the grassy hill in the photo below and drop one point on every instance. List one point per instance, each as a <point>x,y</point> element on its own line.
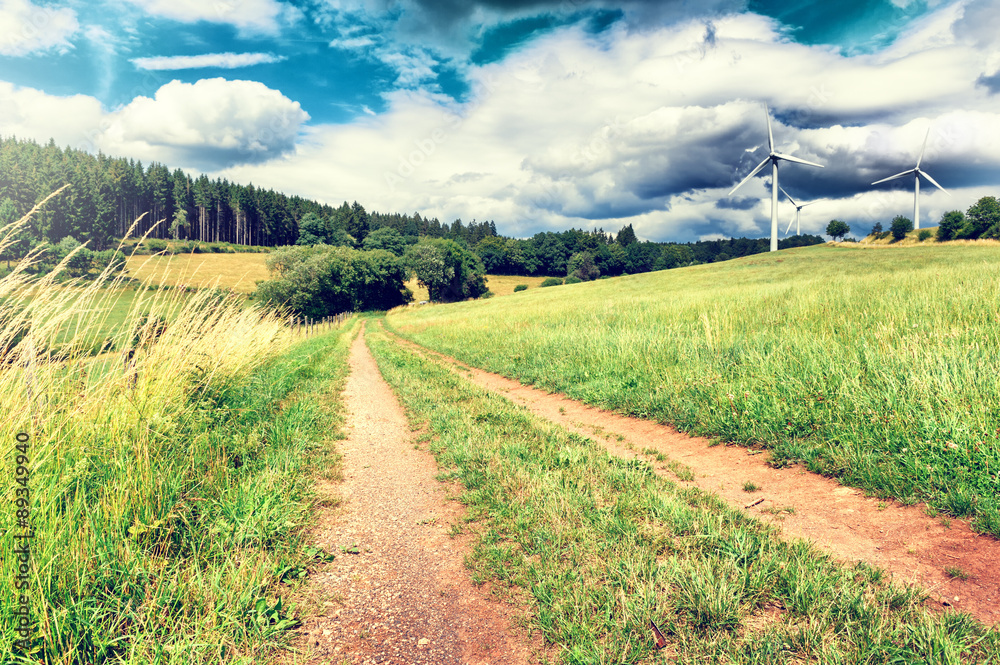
<point>877,367</point>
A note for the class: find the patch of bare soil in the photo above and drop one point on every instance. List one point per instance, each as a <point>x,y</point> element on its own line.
<point>400,593</point>
<point>903,540</point>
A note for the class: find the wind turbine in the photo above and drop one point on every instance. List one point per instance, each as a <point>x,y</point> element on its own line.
<point>916,182</point>
<point>773,158</point>
<point>798,209</point>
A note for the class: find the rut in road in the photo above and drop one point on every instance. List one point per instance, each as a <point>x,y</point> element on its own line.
<point>903,540</point>
<point>406,596</point>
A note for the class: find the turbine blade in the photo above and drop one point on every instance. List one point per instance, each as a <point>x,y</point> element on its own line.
<point>933,182</point>
<point>786,195</point>
<point>921,157</point>
<point>893,177</point>
<point>790,222</point>
<point>770,134</point>
<point>752,174</point>
<point>812,202</point>
<point>796,160</point>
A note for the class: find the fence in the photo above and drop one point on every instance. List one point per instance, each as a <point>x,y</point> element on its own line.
<point>305,326</point>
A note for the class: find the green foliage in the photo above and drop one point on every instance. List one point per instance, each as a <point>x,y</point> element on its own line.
<point>877,230</point>
<point>155,245</point>
<point>924,234</point>
<point>582,267</point>
<point>837,229</point>
<point>626,236</point>
<point>321,281</point>
<point>900,227</point>
<point>520,287</point>
<point>448,271</point>
<point>572,279</point>
<point>951,225</point>
<point>386,238</point>
<point>551,281</point>
<point>983,219</point>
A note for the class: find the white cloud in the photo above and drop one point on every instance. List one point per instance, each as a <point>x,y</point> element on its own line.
<point>215,60</point>
<point>27,28</point>
<point>208,125</point>
<point>262,16</point>
<point>211,123</point>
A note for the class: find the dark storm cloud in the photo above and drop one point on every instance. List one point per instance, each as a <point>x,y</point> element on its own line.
<point>991,82</point>
<point>737,203</point>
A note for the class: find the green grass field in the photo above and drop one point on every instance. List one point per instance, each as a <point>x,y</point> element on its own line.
<point>876,366</point>
<point>599,545</point>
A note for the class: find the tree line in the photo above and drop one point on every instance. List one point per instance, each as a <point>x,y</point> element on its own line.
<point>107,194</point>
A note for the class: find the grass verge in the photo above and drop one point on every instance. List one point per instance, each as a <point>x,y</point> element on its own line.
<point>169,501</point>
<point>603,546</point>
<point>877,367</point>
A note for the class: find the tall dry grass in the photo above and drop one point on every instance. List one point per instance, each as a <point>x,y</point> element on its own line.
<point>163,487</point>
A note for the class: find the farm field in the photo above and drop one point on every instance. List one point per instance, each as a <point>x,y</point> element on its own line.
<point>877,367</point>
<point>239,272</point>
<point>599,545</point>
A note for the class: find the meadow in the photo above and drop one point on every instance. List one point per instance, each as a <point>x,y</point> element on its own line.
<point>595,546</point>
<point>876,366</point>
<point>168,484</point>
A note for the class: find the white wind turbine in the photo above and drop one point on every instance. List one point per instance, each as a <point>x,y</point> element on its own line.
<point>798,209</point>
<point>916,182</point>
<point>773,158</point>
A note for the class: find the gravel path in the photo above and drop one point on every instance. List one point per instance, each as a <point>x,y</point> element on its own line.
<point>405,597</point>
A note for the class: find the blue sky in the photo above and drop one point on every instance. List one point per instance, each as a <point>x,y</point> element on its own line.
<point>538,114</point>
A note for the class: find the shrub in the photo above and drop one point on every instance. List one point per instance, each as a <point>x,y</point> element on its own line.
<point>520,287</point>
<point>877,231</point>
<point>572,279</point>
<point>551,281</point>
<point>924,234</point>
<point>900,227</point>
<point>155,244</point>
<point>321,280</point>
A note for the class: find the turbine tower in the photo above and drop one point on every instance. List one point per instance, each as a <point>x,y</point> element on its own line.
<point>798,209</point>
<point>773,158</point>
<point>916,182</point>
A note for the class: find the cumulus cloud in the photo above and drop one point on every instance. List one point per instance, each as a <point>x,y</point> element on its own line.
<point>208,125</point>
<point>255,16</point>
<point>211,123</point>
<point>215,60</point>
<point>26,28</point>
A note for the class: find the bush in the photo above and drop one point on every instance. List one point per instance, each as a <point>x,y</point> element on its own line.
<point>552,281</point>
<point>900,227</point>
<point>572,279</point>
<point>155,244</point>
<point>520,287</point>
<point>924,234</point>
<point>321,280</point>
